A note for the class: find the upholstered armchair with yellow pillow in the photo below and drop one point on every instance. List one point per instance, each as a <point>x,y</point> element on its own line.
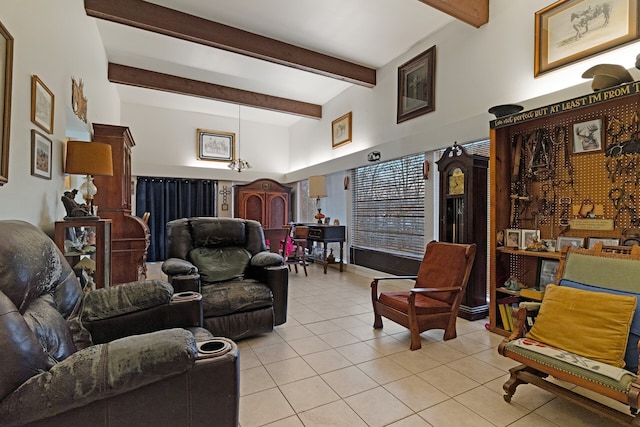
<point>586,333</point>
<point>244,286</point>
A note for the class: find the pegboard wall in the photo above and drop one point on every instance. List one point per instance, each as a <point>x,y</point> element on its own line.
<point>583,165</point>
<point>570,171</point>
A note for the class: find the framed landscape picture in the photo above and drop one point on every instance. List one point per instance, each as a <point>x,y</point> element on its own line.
<point>40,155</point>
<point>570,30</point>
<point>416,86</point>
<point>215,145</point>
<point>341,130</point>
<point>42,103</point>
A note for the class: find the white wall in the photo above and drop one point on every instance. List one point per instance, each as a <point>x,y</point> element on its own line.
<point>54,40</point>
<point>166,144</point>
<point>475,69</point>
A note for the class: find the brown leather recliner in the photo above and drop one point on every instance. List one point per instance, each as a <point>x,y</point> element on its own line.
<point>244,287</point>
<point>67,359</point>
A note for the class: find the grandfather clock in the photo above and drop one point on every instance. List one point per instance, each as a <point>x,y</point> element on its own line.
<point>463,219</point>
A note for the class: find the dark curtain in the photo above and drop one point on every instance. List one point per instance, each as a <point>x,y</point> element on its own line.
<point>167,199</point>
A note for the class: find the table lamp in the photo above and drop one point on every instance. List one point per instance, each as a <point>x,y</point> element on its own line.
<point>89,159</point>
<point>318,189</point>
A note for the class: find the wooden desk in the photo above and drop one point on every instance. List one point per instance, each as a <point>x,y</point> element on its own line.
<point>327,234</point>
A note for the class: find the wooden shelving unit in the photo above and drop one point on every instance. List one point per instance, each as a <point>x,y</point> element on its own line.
<point>570,178</point>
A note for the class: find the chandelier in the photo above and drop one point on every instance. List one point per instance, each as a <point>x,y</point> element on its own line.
<point>238,164</point>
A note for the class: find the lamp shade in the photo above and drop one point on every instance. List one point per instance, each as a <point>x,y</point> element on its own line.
<point>88,158</point>
<point>317,187</point>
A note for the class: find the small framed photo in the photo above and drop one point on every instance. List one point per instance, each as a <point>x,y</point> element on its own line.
<point>215,145</point>
<point>550,244</point>
<point>40,155</point>
<point>416,86</point>
<point>42,103</point>
<point>586,137</point>
<point>500,238</point>
<point>547,272</point>
<point>512,238</point>
<point>592,241</point>
<point>576,242</point>
<point>528,237</point>
<point>341,130</point>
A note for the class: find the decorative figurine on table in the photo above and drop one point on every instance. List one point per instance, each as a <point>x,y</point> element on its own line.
<point>74,209</point>
<point>536,245</point>
<point>513,284</point>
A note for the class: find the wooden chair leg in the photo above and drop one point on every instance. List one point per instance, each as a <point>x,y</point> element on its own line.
<point>377,321</point>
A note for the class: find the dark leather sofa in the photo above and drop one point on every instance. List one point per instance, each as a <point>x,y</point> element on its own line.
<point>71,360</point>
<point>244,287</point>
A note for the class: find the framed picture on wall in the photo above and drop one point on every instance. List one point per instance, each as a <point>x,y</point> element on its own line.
<point>216,145</point>
<point>570,30</point>
<point>341,130</point>
<point>6,72</point>
<point>416,86</point>
<point>586,137</point>
<point>42,104</point>
<point>40,155</point>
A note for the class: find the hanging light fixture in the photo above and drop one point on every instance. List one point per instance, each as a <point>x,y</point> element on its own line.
<point>237,164</point>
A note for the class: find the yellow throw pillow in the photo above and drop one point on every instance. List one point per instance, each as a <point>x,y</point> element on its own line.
<point>591,324</point>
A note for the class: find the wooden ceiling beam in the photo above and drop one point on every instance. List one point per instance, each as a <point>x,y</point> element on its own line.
<point>473,12</point>
<point>173,23</point>
<point>138,77</point>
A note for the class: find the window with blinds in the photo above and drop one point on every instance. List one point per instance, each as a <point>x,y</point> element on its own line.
<point>388,206</point>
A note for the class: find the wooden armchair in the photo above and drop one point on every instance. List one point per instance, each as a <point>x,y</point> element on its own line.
<point>434,301</point>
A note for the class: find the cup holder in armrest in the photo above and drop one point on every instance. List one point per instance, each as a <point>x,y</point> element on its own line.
<point>212,348</point>
<point>186,296</point>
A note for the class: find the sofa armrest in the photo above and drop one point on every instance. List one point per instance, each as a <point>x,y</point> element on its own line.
<point>186,283</point>
<point>277,279</point>
<point>113,313</point>
<point>177,266</point>
<point>126,298</point>
<point>101,372</point>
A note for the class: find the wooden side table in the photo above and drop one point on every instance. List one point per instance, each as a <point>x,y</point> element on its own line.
<point>87,245</point>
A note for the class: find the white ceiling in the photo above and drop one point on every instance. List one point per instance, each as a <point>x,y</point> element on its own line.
<point>366,32</point>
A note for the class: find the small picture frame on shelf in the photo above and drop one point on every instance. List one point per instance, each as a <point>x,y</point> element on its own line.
<point>512,238</point>
<point>592,241</point>
<point>547,272</point>
<point>576,242</point>
<point>528,237</point>
<point>550,244</point>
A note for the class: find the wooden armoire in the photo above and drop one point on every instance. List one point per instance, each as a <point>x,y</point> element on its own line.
<point>263,200</point>
<point>130,235</point>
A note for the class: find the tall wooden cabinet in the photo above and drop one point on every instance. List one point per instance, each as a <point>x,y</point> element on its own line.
<point>263,200</point>
<point>570,170</point>
<point>463,219</point>
<point>130,235</point>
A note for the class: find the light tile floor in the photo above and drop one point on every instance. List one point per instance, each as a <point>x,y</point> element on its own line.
<point>327,366</point>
